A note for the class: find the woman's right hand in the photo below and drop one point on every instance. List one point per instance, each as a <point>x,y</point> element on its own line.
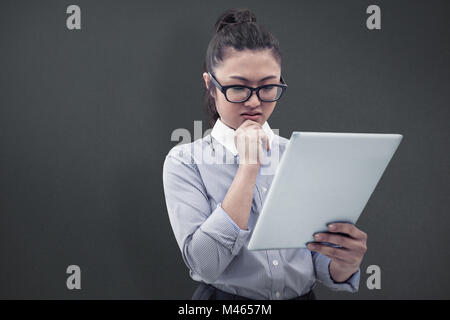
<point>250,138</point>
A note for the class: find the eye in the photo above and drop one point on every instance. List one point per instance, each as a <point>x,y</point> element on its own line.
<point>238,89</point>
<point>268,88</point>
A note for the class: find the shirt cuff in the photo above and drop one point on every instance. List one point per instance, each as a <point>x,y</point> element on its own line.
<point>322,266</point>
<point>222,228</point>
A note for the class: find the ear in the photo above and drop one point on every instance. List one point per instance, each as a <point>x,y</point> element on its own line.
<point>206,79</point>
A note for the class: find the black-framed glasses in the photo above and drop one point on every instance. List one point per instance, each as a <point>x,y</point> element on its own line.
<point>240,93</point>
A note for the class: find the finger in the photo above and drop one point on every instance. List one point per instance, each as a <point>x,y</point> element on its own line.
<point>248,123</point>
<point>342,241</point>
<point>349,229</point>
<point>264,139</point>
<point>341,255</point>
<point>333,253</point>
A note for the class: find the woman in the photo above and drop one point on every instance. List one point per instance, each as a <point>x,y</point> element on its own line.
<point>213,203</point>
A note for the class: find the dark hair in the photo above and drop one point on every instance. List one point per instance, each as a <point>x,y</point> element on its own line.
<point>235,28</point>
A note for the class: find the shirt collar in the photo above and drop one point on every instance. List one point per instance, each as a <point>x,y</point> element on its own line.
<point>225,135</point>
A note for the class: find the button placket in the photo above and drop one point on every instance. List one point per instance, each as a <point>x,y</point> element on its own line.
<point>277,272</point>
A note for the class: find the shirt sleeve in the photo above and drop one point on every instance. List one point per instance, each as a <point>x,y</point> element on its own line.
<point>322,269</point>
<point>207,237</point>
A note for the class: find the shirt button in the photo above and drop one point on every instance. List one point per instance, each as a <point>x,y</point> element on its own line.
<point>277,294</point>
<point>264,189</point>
<point>275,262</point>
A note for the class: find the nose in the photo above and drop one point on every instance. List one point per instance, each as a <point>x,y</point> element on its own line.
<point>253,101</point>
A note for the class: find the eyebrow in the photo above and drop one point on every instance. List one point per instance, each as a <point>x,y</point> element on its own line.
<point>245,79</point>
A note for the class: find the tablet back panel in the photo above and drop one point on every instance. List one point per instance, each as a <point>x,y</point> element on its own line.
<point>321,178</point>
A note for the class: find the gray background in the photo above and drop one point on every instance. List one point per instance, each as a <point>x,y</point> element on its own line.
<point>86,118</point>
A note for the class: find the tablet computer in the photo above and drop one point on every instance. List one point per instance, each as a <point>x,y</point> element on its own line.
<point>322,177</point>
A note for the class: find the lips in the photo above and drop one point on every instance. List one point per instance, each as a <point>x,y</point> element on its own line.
<point>251,114</point>
<point>254,116</point>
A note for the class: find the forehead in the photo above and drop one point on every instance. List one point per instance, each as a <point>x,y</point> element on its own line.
<point>251,64</point>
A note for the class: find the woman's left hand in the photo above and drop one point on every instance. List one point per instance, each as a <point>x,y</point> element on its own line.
<point>345,261</point>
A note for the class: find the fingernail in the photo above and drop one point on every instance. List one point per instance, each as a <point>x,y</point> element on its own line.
<point>311,246</point>
<point>317,236</point>
<point>332,227</point>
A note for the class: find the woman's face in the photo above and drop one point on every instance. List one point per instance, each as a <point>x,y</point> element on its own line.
<point>251,68</point>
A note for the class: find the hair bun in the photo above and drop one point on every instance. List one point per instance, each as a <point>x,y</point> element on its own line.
<point>234,16</point>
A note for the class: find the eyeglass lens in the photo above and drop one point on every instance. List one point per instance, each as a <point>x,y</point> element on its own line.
<point>237,94</point>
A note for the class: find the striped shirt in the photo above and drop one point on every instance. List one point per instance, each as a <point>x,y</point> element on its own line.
<point>196,178</point>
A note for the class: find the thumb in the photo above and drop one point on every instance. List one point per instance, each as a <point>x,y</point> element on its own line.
<point>265,142</point>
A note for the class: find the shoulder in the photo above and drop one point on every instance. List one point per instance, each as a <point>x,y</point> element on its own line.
<point>188,153</point>
<point>180,167</point>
